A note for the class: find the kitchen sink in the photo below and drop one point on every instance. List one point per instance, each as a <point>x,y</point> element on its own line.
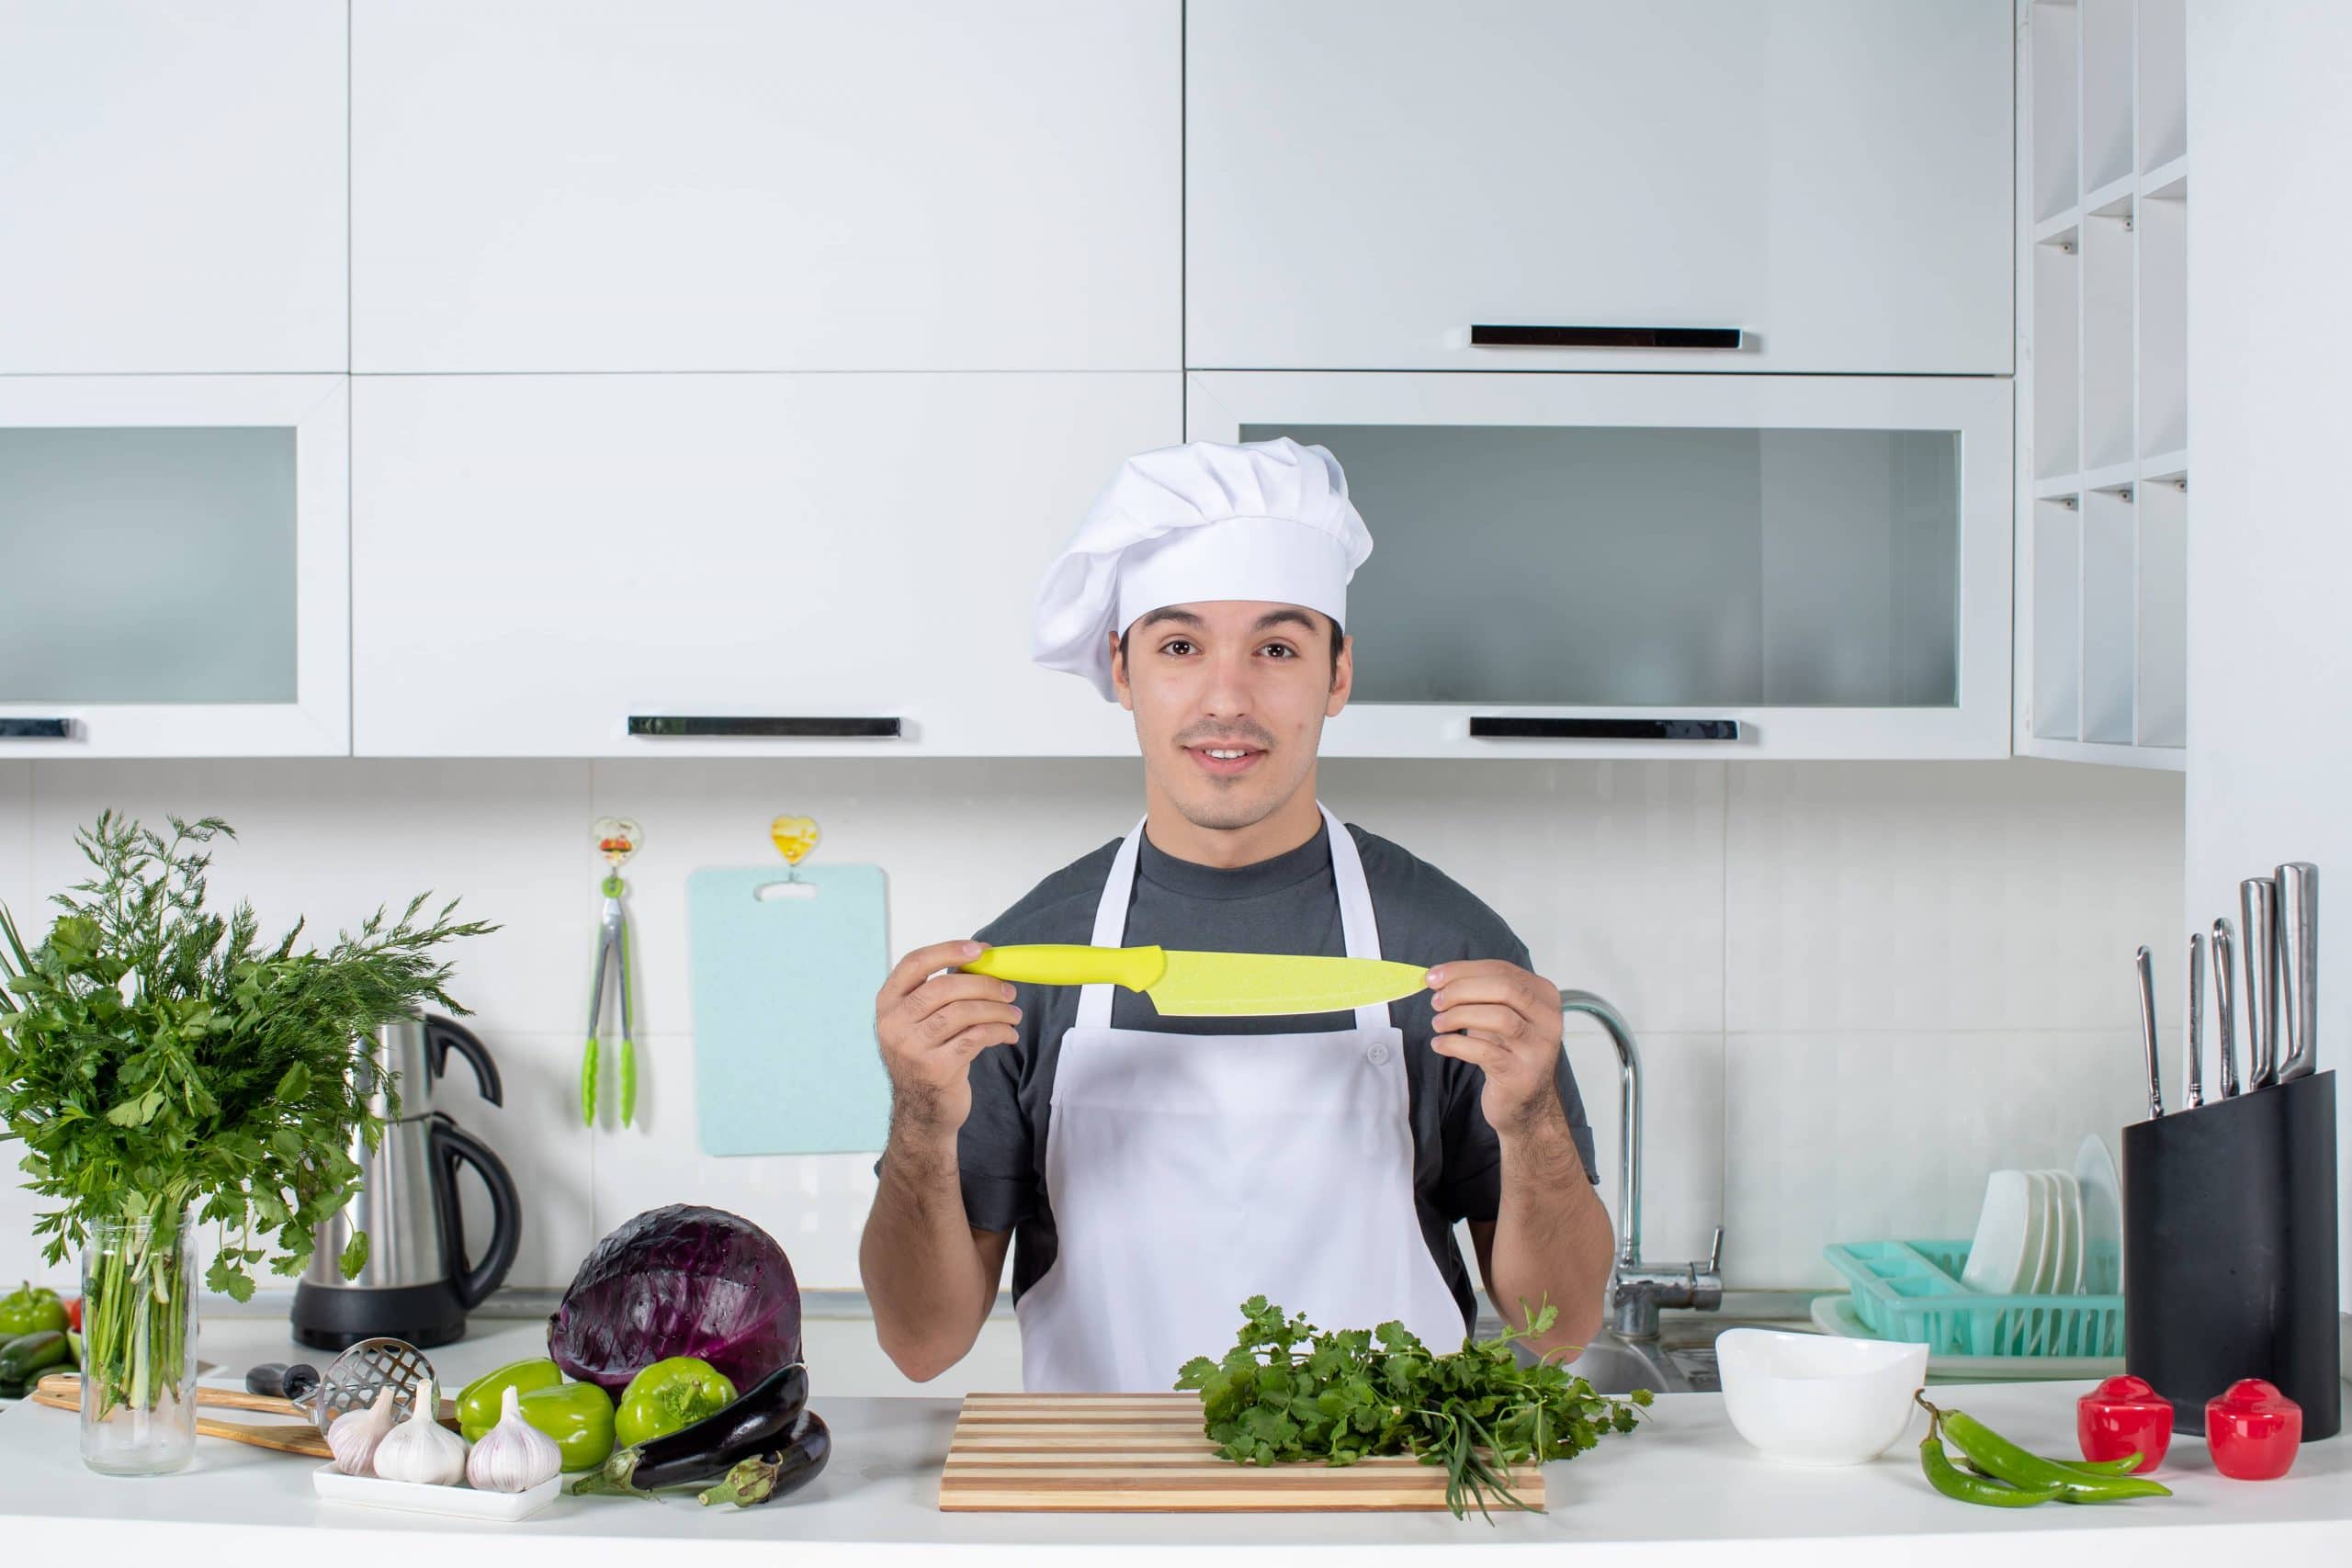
<point>1681,1359</point>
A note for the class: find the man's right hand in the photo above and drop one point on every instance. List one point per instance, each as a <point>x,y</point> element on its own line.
<point>931,1026</point>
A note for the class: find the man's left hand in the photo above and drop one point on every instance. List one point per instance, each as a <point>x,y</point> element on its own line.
<point>1507,1020</point>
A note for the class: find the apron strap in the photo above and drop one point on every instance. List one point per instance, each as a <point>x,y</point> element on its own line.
<point>1357,922</point>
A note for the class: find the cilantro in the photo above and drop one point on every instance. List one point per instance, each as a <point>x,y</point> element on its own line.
<point>1288,1392</point>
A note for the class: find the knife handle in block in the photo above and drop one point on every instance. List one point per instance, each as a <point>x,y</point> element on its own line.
<point>1057,964</point>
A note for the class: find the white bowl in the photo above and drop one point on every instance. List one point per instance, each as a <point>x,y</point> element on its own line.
<point>1811,1399</point>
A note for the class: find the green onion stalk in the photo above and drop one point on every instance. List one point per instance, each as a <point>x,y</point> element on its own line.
<point>136,1298</point>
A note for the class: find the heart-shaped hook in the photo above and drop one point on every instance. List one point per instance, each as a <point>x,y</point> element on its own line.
<point>794,837</point>
<point>617,839</point>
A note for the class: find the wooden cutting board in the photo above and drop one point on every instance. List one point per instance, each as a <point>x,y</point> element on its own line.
<point>1146,1454</point>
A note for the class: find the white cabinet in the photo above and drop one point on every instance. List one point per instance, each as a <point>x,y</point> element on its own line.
<point>1647,566</point>
<point>172,182</point>
<point>540,559</point>
<point>177,551</point>
<point>765,184</point>
<point>1366,184</point>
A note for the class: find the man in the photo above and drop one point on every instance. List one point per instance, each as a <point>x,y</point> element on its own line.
<point>1155,1172</point>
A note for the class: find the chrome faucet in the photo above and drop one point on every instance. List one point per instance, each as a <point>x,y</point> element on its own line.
<point>1637,1290</point>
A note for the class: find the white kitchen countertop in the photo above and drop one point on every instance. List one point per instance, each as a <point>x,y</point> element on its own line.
<point>1684,1478</point>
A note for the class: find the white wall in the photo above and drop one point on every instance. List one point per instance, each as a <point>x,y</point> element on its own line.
<point>2269,552</point>
<point>1858,985</point>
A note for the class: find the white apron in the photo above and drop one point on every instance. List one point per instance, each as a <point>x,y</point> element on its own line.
<point>1190,1172</point>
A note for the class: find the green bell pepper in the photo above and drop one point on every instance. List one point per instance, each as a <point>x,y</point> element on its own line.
<point>577,1416</point>
<point>669,1396</point>
<point>30,1309</point>
<point>480,1402</point>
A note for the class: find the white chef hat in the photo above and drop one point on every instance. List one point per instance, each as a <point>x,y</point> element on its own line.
<point>1266,520</point>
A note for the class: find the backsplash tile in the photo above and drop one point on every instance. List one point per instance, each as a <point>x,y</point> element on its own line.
<point>1918,896</point>
<point>1850,921</point>
<point>1867,1135</point>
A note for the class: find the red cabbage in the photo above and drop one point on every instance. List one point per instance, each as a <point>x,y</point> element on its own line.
<point>683,1280</point>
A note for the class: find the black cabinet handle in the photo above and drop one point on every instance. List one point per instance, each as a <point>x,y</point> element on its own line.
<point>1491,336</point>
<point>673,727</point>
<point>36,729</point>
<point>1493,727</point>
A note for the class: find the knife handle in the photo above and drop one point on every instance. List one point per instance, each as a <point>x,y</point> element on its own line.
<point>1059,964</point>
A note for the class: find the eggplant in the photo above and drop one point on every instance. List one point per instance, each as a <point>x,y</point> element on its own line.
<point>766,1477</point>
<point>760,1421</point>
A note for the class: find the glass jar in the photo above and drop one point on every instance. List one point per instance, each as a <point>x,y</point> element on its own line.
<point>139,1291</point>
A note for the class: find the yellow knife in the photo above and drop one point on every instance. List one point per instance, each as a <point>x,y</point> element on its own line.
<point>1211,984</point>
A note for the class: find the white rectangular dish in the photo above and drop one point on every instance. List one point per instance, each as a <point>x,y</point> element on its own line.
<point>463,1502</point>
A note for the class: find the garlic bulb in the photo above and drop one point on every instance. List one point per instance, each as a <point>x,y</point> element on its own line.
<point>354,1434</point>
<point>512,1456</point>
<point>419,1448</point>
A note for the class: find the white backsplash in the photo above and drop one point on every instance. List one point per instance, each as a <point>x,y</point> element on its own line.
<point>1858,985</point>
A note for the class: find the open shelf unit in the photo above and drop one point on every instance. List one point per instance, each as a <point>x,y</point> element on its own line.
<point>2102,382</point>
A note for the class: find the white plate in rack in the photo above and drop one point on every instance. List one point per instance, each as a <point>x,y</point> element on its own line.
<point>462,1502</point>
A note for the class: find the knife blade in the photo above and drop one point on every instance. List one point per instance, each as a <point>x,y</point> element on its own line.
<point>1183,983</point>
<point>2147,977</point>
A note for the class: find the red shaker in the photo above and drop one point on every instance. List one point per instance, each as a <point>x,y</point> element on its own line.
<point>2253,1430</point>
<point>2124,1416</point>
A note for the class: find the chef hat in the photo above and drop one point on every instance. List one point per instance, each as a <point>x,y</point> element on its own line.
<point>1266,520</point>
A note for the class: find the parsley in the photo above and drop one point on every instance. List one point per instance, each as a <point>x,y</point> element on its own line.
<point>154,1057</point>
<point>1288,1391</point>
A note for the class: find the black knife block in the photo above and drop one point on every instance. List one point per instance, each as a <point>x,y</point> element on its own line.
<point>2229,1250</point>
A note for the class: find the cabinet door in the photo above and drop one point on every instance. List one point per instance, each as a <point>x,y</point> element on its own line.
<point>1630,565</point>
<point>541,559</point>
<point>766,185</point>
<point>177,550</point>
<point>1831,178</point>
<point>172,182</point>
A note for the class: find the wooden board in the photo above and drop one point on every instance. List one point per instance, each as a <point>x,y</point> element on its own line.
<point>1146,1454</point>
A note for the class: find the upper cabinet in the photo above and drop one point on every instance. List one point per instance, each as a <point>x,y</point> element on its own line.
<point>172,187</point>
<point>676,566</point>
<point>1825,182</point>
<point>175,551</point>
<point>766,185</point>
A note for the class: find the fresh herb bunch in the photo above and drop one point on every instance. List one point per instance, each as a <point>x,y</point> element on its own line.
<point>1288,1391</point>
<point>155,1055</point>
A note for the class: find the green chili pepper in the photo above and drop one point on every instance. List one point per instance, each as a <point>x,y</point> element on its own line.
<point>2123,1466</point>
<point>480,1402</point>
<point>1961,1487</point>
<point>30,1309</point>
<point>669,1396</point>
<point>577,1416</point>
<point>2028,1470</point>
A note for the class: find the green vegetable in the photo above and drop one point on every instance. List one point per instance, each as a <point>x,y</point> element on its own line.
<point>1288,1390</point>
<point>2123,1466</point>
<point>2022,1468</point>
<point>480,1402</point>
<point>29,1309</point>
<point>25,1356</point>
<point>577,1416</point>
<point>1963,1488</point>
<point>158,1060</point>
<point>669,1396</point>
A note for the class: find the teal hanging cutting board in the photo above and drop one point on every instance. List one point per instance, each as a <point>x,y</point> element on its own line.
<point>785,1056</point>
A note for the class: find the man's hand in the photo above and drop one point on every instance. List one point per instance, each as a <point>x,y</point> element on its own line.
<point>1507,1020</point>
<point>932,1027</point>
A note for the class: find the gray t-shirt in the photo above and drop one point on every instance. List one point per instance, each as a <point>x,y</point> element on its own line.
<point>1288,904</point>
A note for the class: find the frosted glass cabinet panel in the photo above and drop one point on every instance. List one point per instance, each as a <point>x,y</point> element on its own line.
<point>1821,563</point>
<point>173,552</point>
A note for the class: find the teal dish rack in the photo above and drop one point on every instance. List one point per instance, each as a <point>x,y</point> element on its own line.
<point>1911,1291</point>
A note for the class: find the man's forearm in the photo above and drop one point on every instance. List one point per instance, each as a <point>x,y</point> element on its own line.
<point>924,1276</point>
<point>1552,1235</point>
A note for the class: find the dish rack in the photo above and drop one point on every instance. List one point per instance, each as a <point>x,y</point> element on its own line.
<point>1911,1291</point>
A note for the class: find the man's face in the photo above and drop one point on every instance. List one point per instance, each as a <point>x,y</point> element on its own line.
<point>1230,675</point>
